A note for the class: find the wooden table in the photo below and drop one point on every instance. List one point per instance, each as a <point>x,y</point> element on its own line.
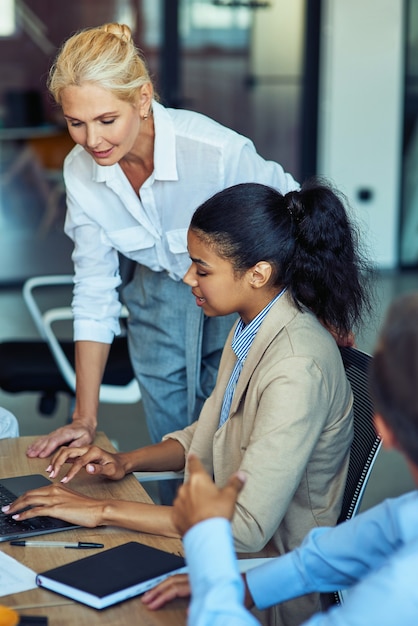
<point>62,611</point>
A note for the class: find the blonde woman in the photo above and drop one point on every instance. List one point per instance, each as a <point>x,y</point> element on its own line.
<point>136,175</point>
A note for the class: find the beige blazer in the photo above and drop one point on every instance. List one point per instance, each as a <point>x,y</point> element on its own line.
<point>289,429</point>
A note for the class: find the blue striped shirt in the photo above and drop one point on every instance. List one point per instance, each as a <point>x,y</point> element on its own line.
<point>241,344</point>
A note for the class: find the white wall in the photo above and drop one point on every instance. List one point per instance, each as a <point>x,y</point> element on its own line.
<point>360,113</point>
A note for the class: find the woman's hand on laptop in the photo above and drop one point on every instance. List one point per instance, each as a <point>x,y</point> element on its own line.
<point>92,458</point>
<point>59,502</point>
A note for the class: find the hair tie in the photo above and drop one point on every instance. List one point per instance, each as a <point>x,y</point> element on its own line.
<point>293,206</point>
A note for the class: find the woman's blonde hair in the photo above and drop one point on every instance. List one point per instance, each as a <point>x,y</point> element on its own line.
<point>104,55</point>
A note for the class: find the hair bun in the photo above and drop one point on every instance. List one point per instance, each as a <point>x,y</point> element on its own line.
<point>119,30</point>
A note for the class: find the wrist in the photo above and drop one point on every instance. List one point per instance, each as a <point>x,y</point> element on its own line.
<point>89,422</point>
<point>127,462</point>
<point>106,513</point>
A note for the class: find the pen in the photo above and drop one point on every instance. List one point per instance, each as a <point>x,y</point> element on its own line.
<point>79,545</point>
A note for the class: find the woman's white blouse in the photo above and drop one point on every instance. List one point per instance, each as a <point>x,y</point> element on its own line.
<point>194,157</point>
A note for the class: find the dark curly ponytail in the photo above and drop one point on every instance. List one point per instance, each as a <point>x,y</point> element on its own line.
<point>327,271</point>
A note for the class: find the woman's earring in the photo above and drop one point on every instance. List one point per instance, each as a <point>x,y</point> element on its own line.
<point>145,116</point>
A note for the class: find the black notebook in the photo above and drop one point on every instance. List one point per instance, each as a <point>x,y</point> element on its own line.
<point>113,575</point>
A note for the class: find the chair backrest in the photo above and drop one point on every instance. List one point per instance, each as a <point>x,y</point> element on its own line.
<point>364,447</point>
<point>366,442</point>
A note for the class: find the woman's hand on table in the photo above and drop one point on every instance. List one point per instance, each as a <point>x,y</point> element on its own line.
<point>173,587</point>
<point>59,502</point>
<point>92,458</point>
<point>75,434</point>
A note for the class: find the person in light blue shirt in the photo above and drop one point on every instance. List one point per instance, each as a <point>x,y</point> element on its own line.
<point>374,556</point>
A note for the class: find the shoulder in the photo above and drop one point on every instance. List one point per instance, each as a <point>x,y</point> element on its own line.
<point>198,127</point>
<point>405,509</point>
<point>298,331</point>
<point>292,345</point>
<point>395,584</point>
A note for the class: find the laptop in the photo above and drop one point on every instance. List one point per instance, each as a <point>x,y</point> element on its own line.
<point>10,529</point>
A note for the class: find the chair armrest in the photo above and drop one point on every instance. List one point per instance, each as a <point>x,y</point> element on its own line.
<point>64,365</point>
<point>28,295</point>
<point>145,477</point>
<point>116,394</point>
<point>44,321</point>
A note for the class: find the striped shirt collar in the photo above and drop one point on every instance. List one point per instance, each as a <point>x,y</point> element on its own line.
<point>244,334</point>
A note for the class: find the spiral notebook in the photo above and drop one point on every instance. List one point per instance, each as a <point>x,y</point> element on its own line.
<point>113,575</point>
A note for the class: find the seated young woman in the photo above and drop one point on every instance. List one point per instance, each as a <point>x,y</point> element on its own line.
<point>281,411</point>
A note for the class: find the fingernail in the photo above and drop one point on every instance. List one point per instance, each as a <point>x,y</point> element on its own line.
<point>241,476</point>
<point>5,508</point>
<point>49,468</point>
<point>90,468</point>
<point>17,516</point>
<point>64,480</point>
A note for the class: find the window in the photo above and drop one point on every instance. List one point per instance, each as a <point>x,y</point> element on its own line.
<point>7,18</point>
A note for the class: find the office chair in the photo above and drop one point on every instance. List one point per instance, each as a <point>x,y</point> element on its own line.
<point>364,447</point>
<point>46,365</point>
<point>366,442</point>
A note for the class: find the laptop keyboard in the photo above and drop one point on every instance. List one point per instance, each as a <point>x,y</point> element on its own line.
<point>8,525</point>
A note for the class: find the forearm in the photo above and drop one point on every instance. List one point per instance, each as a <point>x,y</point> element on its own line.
<point>139,516</point>
<point>169,455</point>
<point>90,363</point>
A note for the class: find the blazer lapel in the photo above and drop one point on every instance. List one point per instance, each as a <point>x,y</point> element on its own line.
<point>280,314</point>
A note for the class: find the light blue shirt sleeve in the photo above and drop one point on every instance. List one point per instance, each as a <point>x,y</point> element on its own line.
<point>375,555</point>
<point>386,597</point>
<point>217,586</point>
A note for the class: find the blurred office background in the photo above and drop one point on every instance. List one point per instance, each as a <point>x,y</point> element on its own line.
<point>324,87</point>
